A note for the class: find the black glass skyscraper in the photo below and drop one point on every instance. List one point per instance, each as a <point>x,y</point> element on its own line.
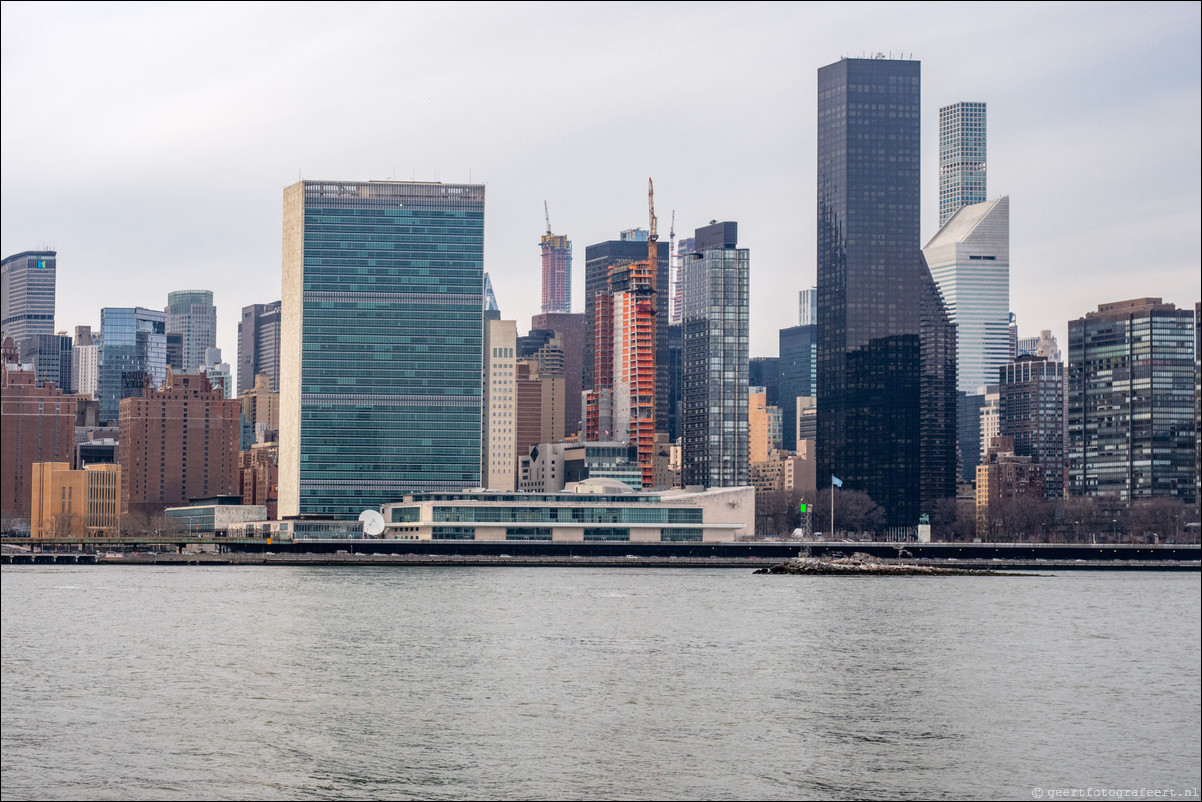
<point>797,374</point>
<point>886,349</point>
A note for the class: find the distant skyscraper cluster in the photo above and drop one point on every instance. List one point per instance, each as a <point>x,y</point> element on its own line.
<point>387,368</point>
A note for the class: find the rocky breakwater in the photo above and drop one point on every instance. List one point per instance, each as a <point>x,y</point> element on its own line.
<point>860,564</point>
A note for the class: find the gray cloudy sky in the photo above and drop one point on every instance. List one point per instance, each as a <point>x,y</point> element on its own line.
<point>150,143</point>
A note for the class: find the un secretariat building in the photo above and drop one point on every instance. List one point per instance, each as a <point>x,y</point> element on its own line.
<point>380,357</point>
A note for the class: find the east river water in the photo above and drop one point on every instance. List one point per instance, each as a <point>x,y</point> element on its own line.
<point>145,682</point>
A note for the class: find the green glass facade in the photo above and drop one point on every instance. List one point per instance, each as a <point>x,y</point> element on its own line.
<point>390,343</point>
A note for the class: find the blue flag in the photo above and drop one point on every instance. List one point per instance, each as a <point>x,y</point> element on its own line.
<point>837,482</point>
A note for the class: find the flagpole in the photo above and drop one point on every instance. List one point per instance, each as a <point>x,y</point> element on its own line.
<point>832,506</point>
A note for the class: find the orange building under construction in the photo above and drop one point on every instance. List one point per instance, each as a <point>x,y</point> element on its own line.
<point>621,405</point>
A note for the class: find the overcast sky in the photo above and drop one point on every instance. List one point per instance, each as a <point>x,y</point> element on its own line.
<point>149,144</point>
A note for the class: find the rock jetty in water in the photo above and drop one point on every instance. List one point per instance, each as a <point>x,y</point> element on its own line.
<point>860,564</point>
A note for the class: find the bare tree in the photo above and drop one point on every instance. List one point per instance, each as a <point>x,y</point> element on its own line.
<point>776,512</point>
<point>855,512</point>
<point>953,521</point>
<point>1161,519</point>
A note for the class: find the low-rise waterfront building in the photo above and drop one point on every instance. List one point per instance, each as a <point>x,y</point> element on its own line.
<point>212,517</point>
<point>595,510</point>
<point>550,467</point>
<point>67,503</point>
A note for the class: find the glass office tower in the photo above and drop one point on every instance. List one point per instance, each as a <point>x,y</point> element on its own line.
<point>381,343</point>
<point>886,348</point>
<point>259,345</point>
<point>133,349</point>
<point>27,282</point>
<point>191,313</point>
<point>798,376</point>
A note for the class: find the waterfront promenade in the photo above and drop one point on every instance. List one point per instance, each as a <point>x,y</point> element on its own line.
<point>752,554</point>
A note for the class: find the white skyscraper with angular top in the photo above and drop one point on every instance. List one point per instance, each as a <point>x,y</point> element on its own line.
<point>970,261</point>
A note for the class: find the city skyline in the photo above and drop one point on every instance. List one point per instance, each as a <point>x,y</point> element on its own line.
<point>1078,101</point>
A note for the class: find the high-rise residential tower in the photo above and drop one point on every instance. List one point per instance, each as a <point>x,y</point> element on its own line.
<point>27,282</point>
<point>683,248</point>
<point>259,345</point>
<point>381,343</point>
<point>886,348</point>
<point>85,362</point>
<point>961,157</point>
<point>499,459</point>
<point>599,258</point>
<point>628,399</point>
<point>557,271</point>
<point>1031,413</point>
<point>1131,428</point>
<point>177,443</point>
<point>191,313</point>
<point>714,370</point>
<point>570,326</point>
<point>133,349</point>
<point>621,406</point>
<point>51,357</point>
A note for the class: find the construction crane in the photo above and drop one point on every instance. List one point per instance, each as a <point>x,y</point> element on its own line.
<point>652,250</point>
<point>547,212</point>
<point>673,272</point>
<point>672,238</point>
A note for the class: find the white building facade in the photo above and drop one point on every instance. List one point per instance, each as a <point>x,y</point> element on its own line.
<point>499,441</point>
<point>970,261</point>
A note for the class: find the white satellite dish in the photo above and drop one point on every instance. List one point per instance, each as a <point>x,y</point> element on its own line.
<point>373,523</point>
